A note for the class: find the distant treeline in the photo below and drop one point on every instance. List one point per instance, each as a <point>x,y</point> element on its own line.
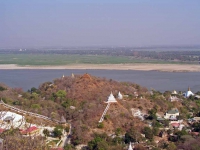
<point>185,54</point>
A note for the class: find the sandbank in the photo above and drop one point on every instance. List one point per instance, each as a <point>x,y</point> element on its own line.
<point>136,66</point>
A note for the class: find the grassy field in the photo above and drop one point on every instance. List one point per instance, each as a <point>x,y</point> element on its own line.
<point>56,59</point>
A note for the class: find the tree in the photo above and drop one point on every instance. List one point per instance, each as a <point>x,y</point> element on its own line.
<point>155,131</point>
<point>57,132</point>
<point>118,131</point>
<point>132,135</point>
<point>171,146</point>
<point>61,94</point>
<point>100,125</point>
<point>46,132</point>
<point>152,114</point>
<point>34,90</point>
<point>99,142</point>
<point>69,147</point>
<point>148,133</point>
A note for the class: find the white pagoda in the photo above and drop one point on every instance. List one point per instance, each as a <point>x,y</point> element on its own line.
<point>188,93</point>
<point>130,147</point>
<point>111,99</point>
<point>120,96</point>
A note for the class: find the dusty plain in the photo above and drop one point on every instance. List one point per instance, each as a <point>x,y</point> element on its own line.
<point>136,66</point>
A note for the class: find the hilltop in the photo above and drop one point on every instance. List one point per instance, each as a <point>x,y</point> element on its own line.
<point>81,100</point>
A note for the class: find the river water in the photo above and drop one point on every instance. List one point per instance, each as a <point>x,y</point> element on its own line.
<point>161,81</point>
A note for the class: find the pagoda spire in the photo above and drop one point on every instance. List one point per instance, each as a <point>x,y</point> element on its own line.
<point>189,88</point>
<point>111,99</point>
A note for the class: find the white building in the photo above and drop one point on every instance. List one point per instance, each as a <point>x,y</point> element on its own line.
<point>188,93</point>
<point>120,96</point>
<point>172,114</point>
<point>173,98</point>
<point>111,99</point>
<point>137,113</point>
<point>130,147</point>
<point>174,92</point>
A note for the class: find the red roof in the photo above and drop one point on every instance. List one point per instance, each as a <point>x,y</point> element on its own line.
<point>175,124</point>
<point>195,133</point>
<point>1,130</point>
<point>31,129</point>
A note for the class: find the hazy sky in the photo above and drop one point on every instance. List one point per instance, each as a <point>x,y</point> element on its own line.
<point>28,23</point>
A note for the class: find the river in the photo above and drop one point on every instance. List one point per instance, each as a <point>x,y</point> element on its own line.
<point>161,81</point>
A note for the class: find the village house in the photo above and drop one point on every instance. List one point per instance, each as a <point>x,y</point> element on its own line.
<point>196,119</point>
<point>173,98</point>
<point>1,130</point>
<point>31,131</point>
<point>172,114</point>
<point>137,113</point>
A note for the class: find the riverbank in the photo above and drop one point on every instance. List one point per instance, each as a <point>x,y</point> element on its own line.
<point>137,66</point>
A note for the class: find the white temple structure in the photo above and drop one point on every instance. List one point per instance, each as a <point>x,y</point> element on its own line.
<point>120,96</point>
<point>188,93</point>
<point>72,75</point>
<point>111,99</point>
<point>174,92</point>
<point>130,147</point>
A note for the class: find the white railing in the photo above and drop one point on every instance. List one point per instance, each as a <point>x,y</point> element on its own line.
<point>104,113</point>
<point>29,113</point>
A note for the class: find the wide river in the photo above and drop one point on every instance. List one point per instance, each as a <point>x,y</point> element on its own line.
<point>161,81</point>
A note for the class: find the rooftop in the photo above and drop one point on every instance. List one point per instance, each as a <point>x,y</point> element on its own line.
<point>29,130</point>
<point>173,111</point>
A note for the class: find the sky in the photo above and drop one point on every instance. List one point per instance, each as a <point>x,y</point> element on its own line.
<point>65,23</point>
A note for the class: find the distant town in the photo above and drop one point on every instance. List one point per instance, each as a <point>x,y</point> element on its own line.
<point>170,54</point>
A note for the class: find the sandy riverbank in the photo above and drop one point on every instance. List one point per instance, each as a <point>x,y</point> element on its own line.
<point>142,66</point>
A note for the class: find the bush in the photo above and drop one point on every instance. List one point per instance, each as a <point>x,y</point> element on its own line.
<point>148,133</point>
<point>100,125</point>
<point>2,88</point>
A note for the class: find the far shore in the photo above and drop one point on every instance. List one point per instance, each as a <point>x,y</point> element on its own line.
<point>136,66</point>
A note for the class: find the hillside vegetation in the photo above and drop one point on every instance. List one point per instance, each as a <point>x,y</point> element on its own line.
<point>81,100</point>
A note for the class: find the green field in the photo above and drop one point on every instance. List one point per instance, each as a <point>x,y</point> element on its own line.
<point>58,59</point>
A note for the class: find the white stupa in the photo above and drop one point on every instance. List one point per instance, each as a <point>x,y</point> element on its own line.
<point>174,92</point>
<point>111,99</point>
<point>72,75</point>
<point>130,147</point>
<point>188,93</point>
<point>120,96</point>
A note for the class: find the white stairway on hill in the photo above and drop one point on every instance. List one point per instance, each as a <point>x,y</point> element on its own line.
<point>104,113</point>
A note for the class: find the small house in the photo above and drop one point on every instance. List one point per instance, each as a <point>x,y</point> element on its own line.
<point>172,114</point>
<point>30,131</point>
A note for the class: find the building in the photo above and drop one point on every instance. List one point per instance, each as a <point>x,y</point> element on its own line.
<point>196,119</point>
<point>111,99</point>
<point>8,119</point>
<point>63,120</point>
<point>120,96</point>
<point>1,144</point>
<point>31,131</point>
<point>1,130</point>
<point>173,98</point>
<point>130,147</point>
<point>174,92</point>
<point>188,93</point>
<point>172,114</point>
